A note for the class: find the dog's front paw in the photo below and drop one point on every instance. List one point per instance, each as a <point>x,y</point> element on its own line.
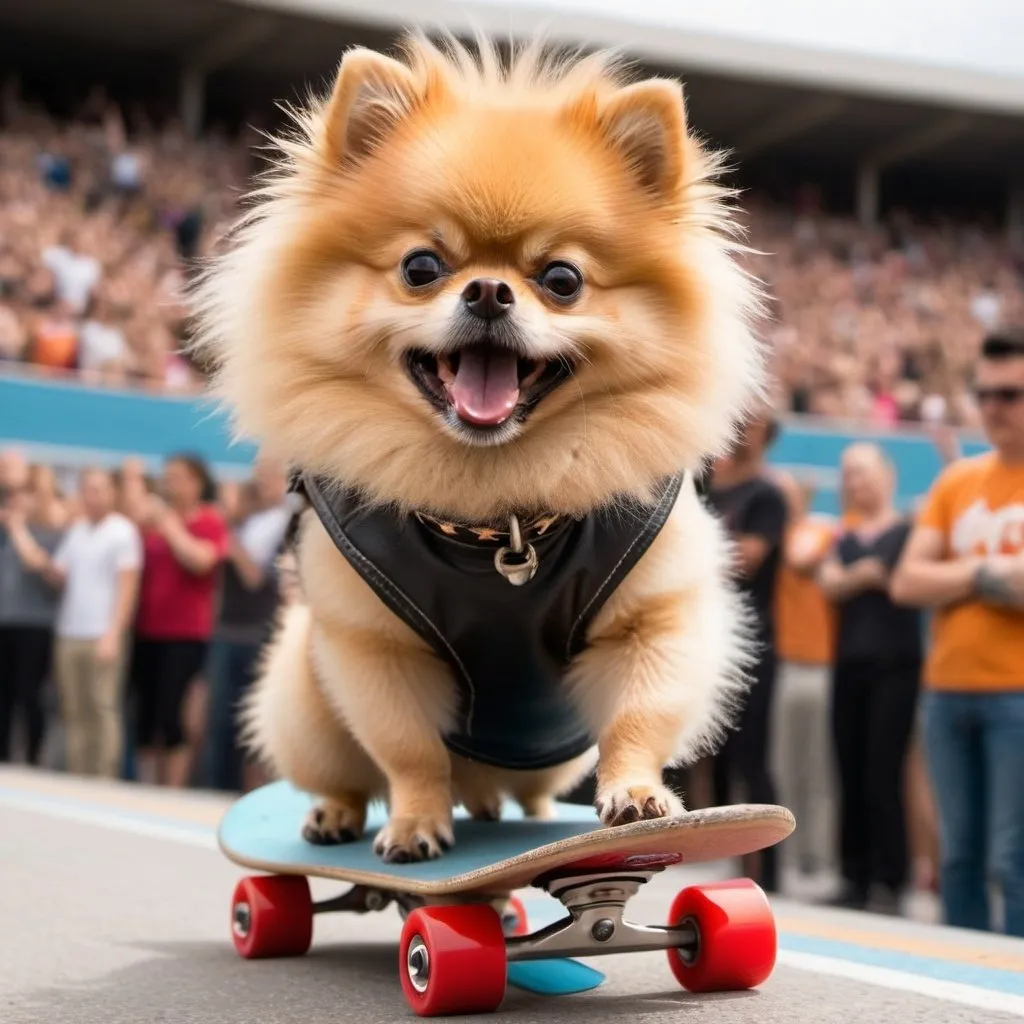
<point>334,821</point>
<point>620,804</point>
<point>403,840</point>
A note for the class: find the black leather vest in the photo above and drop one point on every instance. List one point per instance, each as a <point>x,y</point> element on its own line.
<point>508,646</point>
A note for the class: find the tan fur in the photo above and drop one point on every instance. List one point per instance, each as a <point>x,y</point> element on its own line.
<point>501,169</point>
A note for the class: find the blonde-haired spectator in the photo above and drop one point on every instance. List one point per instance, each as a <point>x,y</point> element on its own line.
<point>875,683</point>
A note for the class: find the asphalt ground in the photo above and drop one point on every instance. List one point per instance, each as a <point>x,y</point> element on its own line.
<point>114,909</point>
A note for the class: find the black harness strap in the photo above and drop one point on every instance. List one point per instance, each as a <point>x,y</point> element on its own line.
<point>508,646</point>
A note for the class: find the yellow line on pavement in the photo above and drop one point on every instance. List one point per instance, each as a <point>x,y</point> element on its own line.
<point>879,939</point>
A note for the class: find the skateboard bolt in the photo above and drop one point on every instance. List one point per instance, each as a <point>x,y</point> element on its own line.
<point>603,930</point>
<point>241,919</point>
<point>417,963</point>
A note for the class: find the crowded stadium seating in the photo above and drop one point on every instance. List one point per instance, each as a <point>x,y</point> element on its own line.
<point>102,220</point>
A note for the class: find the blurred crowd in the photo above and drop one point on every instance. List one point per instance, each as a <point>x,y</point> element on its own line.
<point>144,602</point>
<point>100,222</point>
<point>881,325</point>
<point>102,217</point>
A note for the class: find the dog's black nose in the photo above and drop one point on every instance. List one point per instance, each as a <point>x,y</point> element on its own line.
<point>488,298</point>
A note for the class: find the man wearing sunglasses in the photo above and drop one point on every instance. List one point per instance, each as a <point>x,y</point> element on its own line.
<point>965,559</point>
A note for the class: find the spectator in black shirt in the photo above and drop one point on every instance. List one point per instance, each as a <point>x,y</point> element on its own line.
<point>753,509</point>
<point>875,684</point>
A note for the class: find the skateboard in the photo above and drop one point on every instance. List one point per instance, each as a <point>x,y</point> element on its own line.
<point>465,933</point>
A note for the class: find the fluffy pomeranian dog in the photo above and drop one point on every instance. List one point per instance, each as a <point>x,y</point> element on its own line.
<point>491,309</point>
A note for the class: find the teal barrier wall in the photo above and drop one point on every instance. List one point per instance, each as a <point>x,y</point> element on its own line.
<point>72,425</point>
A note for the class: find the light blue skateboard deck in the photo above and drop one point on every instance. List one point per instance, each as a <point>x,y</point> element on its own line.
<point>262,831</point>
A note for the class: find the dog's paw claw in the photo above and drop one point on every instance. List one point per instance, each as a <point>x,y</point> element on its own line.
<point>404,840</point>
<point>331,823</point>
<point>622,805</point>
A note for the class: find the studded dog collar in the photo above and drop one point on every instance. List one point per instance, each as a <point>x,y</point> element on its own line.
<point>530,529</point>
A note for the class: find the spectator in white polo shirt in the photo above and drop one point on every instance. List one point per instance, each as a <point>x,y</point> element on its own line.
<point>97,565</point>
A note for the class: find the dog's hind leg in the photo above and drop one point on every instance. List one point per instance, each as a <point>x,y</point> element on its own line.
<point>536,791</point>
<point>481,788</point>
<point>291,726</point>
<point>478,787</point>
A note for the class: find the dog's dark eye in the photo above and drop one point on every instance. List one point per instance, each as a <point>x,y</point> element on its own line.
<point>421,268</point>
<point>562,281</point>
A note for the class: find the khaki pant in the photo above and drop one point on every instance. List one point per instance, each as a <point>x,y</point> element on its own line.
<point>90,698</point>
<point>803,764</point>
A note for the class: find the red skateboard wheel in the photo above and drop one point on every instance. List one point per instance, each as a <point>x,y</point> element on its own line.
<point>272,915</point>
<point>736,936</point>
<point>452,960</point>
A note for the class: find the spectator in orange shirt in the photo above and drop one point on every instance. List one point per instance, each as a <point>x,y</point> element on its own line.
<point>965,559</point>
<point>805,627</point>
<point>54,333</point>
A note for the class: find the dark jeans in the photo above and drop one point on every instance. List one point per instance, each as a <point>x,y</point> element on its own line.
<point>26,653</point>
<point>230,671</point>
<point>975,747</point>
<point>161,673</point>
<point>744,756</point>
<point>873,707</point>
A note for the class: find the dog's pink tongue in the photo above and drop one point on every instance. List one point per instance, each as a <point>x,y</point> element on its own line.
<point>486,386</point>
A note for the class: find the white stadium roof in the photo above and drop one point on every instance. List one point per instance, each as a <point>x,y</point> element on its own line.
<point>956,52</point>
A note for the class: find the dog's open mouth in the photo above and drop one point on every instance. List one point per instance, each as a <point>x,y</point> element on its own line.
<point>485,385</point>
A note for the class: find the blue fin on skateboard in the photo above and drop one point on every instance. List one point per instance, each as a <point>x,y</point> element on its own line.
<point>553,977</point>
<point>560,976</point>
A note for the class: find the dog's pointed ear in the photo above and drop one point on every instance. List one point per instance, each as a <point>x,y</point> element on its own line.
<point>371,96</point>
<point>646,125</point>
